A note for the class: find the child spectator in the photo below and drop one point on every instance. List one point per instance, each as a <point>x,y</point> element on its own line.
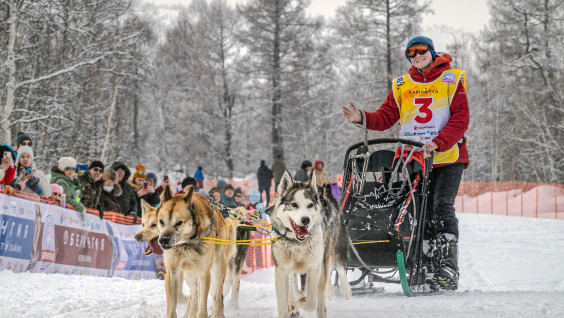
<point>57,194</point>
<point>29,178</point>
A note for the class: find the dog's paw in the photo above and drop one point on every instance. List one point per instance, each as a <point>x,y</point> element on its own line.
<point>307,303</point>
<point>346,291</point>
<point>302,302</point>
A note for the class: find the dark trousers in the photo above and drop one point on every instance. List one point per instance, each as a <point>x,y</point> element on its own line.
<point>267,190</point>
<point>443,187</point>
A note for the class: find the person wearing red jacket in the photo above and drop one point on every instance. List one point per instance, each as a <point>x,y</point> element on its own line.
<point>7,164</point>
<point>431,104</point>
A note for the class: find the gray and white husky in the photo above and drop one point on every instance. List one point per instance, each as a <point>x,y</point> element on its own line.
<point>311,240</point>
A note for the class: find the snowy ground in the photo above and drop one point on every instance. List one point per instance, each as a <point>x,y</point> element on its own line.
<point>510,267</point>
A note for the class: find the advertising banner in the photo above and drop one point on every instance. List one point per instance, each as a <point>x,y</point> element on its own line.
<point>130,261</point>
<point>18,232</point>
<point>42,238</point>
<point>68,246</point>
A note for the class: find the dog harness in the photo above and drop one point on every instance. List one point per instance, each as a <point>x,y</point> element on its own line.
<point>425,108</point>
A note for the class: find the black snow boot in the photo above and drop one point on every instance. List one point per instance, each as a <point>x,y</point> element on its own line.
<point>446,275</point>
<point>430,260</point>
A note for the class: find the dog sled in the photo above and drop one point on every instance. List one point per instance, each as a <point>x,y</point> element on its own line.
<point>383,202</point>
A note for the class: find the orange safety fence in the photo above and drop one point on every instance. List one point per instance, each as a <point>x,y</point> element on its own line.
<point>529,199</point>
<point>259,256</point>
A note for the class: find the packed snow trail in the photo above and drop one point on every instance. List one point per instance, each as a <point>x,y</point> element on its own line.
<point>510,267</point>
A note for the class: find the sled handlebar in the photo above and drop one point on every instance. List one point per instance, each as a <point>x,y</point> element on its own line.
<point>385,141</point>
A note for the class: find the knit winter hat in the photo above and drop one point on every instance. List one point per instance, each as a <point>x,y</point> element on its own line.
<point>21,137</point>
<point>96,164</point>
<point>139,172</point>
<point>228,187</point>
<point>424,40</point>
<point>25,149</point>
<point>66,162</point>
<point>306,163</point>
<point>152,176</point>
<point>55,188</point>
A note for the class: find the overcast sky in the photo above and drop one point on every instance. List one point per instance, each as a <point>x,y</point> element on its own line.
<point>470,16</point>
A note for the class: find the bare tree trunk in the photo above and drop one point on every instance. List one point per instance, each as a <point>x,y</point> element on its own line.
<point>388,47</point>
<point>5,133</point>
<point>277,146</point>
<point>110,118</point>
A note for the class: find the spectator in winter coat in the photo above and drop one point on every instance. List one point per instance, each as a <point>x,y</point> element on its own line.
<point>199,176</point>
<point>278,168</point>
<point>62,174</point>
<point>239,198</point>
<point>128,198</point>
<point>139,177</point>
<point>303,173</point>
<point>431,104</point>
<point>227,197</point>
<point>29,178</point>
<point>148,193</point>
<point>111,190</point>
<point>215,194</point>
<point>91,184</point>
<point>23,140</point>
<point>264,176</point>
<point>321,177</point>
<point>7,165</point>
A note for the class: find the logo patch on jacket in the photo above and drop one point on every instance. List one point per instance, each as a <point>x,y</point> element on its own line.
<point>449,78</point>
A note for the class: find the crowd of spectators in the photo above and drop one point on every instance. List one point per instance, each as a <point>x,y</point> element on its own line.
<point>103,188</point>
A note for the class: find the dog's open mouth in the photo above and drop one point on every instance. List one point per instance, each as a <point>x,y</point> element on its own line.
<point>300,231</point>
<point>153,247</point>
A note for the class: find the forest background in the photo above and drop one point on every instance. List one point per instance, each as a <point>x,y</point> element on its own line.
<point>224,86</point>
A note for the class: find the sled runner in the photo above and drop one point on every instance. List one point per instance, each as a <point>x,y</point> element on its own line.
<point>383,200</point>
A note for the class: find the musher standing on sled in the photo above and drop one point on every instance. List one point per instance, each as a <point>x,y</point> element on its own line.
<point>432,107</point>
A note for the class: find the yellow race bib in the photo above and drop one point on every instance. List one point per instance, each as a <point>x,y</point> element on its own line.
<point>425,108</point>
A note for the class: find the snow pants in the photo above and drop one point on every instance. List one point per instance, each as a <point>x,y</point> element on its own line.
<point>443,188</point>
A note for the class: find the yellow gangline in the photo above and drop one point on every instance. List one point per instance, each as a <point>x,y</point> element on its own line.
<point>368,242</point>
<point>235,219</point>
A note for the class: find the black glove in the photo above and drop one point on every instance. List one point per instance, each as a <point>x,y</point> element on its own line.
<point>100,211</point>
<point>134,216</point>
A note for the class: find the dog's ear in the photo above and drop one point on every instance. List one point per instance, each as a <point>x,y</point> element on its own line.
<point>144,207</point>
<point>167,194</point>
<point>312,181</point>
<point>188,196</point>
<point>285,183</point>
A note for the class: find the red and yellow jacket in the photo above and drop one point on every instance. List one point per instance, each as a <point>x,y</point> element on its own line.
<point>389,113</point>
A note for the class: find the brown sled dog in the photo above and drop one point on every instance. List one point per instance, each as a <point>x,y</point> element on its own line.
<point>150,233</point>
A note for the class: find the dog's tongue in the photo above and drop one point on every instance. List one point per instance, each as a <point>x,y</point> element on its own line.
<point>154,247</point>
<point>302,231</point>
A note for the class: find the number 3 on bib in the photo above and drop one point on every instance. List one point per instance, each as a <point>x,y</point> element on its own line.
<point>424,103</point>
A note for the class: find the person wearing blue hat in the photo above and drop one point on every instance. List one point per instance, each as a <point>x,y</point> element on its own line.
<point>431,104</point>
